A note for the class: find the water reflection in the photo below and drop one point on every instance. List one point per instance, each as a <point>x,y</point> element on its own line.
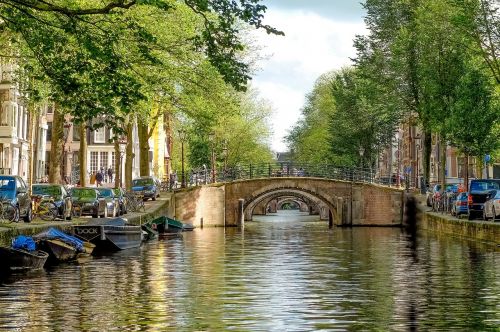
<point>284,272</point>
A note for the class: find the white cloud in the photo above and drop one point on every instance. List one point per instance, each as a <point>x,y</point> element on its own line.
<point>312,46</point>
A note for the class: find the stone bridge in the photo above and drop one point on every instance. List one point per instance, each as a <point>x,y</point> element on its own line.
<point>343,203</point>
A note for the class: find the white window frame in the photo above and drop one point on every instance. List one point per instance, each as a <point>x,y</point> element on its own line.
<point>100,135</point>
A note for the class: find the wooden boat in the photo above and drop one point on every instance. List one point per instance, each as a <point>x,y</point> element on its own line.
<point>148,232</point>
<point>110,234</point>
<point>174,226</point>
<point>165,224</point>
<point>58,250</point>
<point>187,227</point>
<point>62,247</point>
<point>18,259</point>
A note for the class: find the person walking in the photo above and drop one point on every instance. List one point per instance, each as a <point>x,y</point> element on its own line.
<point>110,174</point>
<point>98,178</point>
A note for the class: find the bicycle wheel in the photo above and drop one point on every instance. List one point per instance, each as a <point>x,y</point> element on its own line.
<point>47,211</point>
<point>76,211</point>
<point>10,212</point>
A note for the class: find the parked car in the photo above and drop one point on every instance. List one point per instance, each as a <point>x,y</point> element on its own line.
<point>460,205</point>
<point>148,186</point>
<point>492,206</point>
<point>479,192</point>
<point>88,201</point>
<point>122,199</point>
<point>58,193</point>
<point>112,203</point>
<point>14,189</point>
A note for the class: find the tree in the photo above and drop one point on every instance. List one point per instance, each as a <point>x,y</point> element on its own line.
<point>78,46</point>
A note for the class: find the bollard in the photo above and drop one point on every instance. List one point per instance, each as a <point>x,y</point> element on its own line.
<point>201,222</point>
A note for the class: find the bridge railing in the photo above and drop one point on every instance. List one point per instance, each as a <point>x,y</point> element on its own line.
<point>271,170</point>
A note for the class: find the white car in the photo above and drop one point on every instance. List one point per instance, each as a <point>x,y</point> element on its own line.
<point>492,206</point>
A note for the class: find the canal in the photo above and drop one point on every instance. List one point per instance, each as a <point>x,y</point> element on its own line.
<point>285,272</point>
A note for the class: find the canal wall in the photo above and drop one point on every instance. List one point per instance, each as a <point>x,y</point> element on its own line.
<point>153,210</point>
<point>200,206</point>
<point>438,223</point>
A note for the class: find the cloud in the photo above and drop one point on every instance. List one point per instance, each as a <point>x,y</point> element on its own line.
<point>312,46</point>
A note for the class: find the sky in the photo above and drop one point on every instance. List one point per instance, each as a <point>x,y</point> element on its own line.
<point>318,38</point>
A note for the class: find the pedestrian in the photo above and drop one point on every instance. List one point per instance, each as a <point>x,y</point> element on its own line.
<point>110,174</point>
<point>98,178</point>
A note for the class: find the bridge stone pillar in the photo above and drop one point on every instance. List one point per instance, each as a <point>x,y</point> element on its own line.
<point>357,215</point>
<point>324,212</point>
<point>273,206</point>
<point>303,207</point>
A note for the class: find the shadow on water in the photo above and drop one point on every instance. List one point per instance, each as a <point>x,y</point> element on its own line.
<point>411,219</point>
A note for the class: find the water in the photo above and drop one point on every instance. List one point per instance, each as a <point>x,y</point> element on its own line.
<point>283,273</point>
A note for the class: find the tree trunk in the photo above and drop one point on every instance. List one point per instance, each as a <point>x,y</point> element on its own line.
<point>32,123</point>
<point>56,147</point>
<point>426,155</point>
<point>143,148</point>
<point>442,169</point>
<point>167,123</point>
<point>82,155</point>
<point>118,165</point>
<point>129,156</point>
<point>466,177</point>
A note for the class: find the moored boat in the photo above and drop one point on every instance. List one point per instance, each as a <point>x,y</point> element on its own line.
<point>165,224</point>
<point>148,232</point>
<point>110,234</point>
<point>61,246</point>
<point>19,259</point>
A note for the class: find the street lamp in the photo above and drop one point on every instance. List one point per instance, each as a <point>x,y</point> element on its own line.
<point>211,139</point>
<point>361,153</point>
<point>224,151</point>
<point>122,146</point>
<point>182,137</point>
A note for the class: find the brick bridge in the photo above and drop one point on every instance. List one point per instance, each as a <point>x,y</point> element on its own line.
<point>343,203</point>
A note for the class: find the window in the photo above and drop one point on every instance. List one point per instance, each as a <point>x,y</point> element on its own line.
<point>100,135</point>
<point>94,155</point>
<point>104,160</point>
<point>50,109</point>
<point>113,160</point>
<point>49,131</point>
<point>76,134</point>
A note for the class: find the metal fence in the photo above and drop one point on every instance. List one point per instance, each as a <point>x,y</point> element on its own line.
<point>275,170</point>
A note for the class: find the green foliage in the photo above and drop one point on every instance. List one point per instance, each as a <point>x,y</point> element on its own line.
<point>88,51</point>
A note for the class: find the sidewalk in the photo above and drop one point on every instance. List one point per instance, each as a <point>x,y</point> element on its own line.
<point>11,230</point>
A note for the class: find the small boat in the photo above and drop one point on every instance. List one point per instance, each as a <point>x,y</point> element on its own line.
<point>62,247</point>
<point>165,224</point>
<point>110,234</point>
<point>148,232</point>
<point>19,259</point>
<point>187,227</point>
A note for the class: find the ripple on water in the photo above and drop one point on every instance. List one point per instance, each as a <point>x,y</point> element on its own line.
<point>285,272</point>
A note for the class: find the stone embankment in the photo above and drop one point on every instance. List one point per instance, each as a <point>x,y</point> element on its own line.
<point>442,223</point>
<point>153,209</point>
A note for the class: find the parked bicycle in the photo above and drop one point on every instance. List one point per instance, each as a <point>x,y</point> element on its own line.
<point>8,211</point>
<point>44,207</point>
<point>135,202</point>
<point>164,186</point>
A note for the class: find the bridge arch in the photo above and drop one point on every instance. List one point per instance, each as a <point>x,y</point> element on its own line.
<point>250,205</point>
<point>277,198</point>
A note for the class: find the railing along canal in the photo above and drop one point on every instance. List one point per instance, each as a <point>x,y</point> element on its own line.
<point>275,170</point>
